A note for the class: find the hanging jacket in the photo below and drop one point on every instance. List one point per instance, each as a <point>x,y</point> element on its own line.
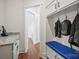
<point>74,39</point>
<point>58,29</point>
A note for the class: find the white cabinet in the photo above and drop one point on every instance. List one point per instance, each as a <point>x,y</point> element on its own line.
<point>60,57</point>
<point>6,51</point>
<point>50,8</point>
<point>51,54</point>
<point>53,6</point>
<point>48,2</point>
<point>64,3</point>
<point>9,47</point>
<point>9,51</point>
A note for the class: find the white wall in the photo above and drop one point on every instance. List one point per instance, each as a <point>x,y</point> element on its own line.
<point>1,12</point>
<point>14,18</point>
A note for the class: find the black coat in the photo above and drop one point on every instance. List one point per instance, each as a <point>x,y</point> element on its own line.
<point>74,29</point>
<point>66,27</point>
<point>75,25</point>
<point>58,29</point>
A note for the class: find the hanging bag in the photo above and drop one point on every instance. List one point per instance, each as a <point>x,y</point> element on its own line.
<point>65,27</point>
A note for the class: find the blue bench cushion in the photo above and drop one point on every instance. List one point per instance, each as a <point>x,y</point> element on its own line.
<point>63,50</point>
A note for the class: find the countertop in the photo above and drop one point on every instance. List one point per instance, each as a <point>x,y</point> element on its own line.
<point>10,39</point>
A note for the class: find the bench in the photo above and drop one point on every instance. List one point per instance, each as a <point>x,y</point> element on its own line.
<point>64,51</point>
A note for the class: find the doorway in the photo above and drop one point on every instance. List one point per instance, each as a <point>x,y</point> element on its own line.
<point>32,32</point>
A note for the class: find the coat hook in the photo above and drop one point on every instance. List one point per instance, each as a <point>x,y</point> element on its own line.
<point>66,16</point>
<point>77,11</point>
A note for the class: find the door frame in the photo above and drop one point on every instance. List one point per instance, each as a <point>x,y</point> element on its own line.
<point>26,41</point>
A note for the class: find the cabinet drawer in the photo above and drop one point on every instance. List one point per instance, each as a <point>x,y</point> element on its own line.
<point>51,54</point>
<point>60,57</point>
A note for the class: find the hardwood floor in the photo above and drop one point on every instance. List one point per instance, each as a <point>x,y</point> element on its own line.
<point>33,52</point>
<point>24,56</point>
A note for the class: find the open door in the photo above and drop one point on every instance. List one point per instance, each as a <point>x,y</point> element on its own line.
<point>32,29</point>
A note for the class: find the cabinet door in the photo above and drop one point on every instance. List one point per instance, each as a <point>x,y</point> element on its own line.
<point>64,3</point>
<point>51,8</point>
<point>16,50</point>
<point>48,2</point>
<point>6,52</point>
<point>70,1</point>
<point>59,56</point>
<point>51,54</point>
